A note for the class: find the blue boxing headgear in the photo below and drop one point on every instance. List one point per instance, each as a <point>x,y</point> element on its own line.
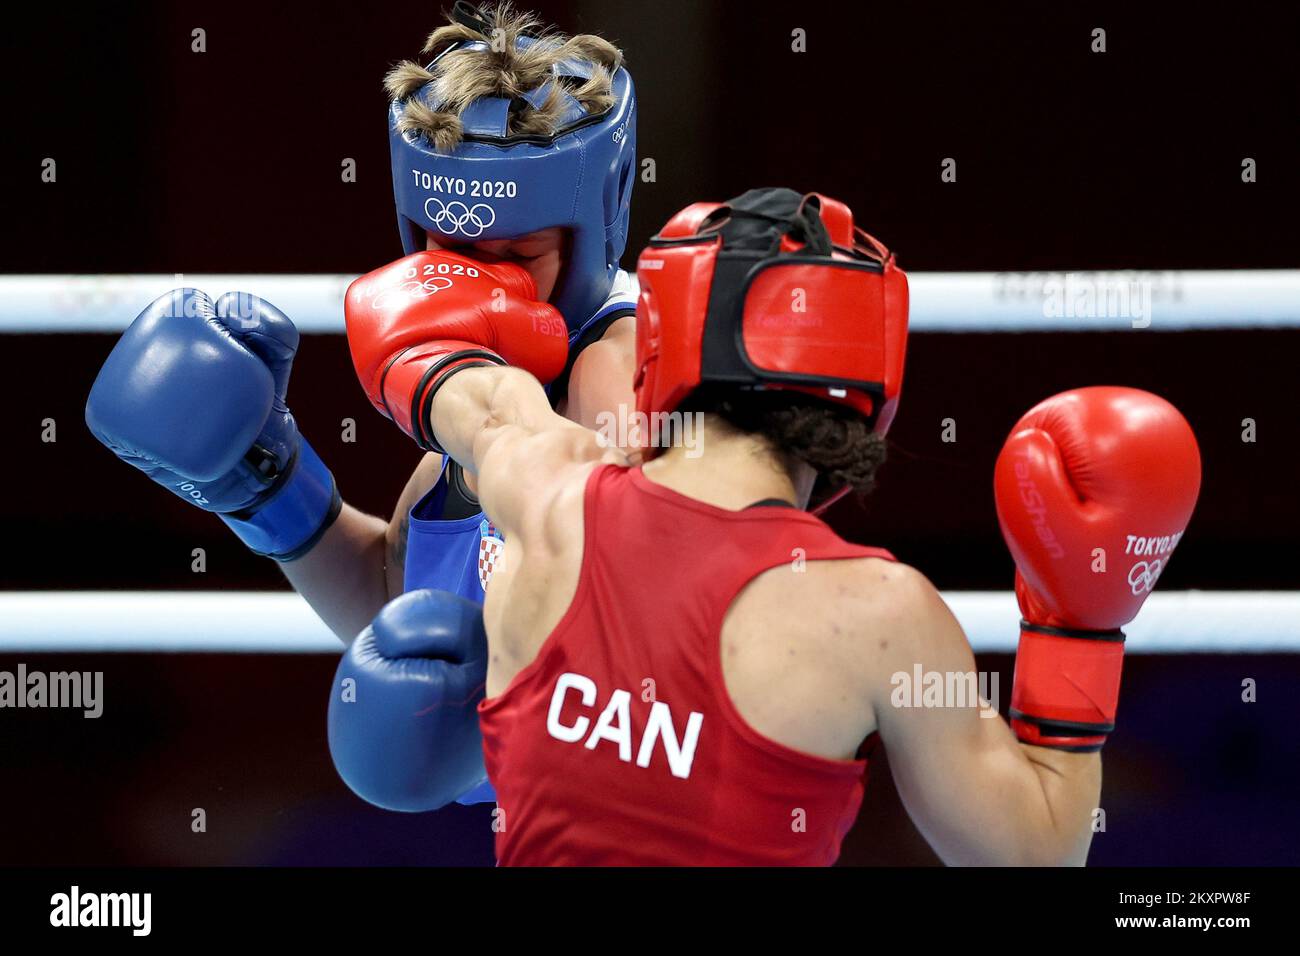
<point>494,185</point>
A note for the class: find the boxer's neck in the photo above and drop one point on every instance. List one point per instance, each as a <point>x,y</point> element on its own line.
<point>731,470</point>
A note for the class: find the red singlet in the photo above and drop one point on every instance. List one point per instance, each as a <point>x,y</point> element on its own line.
<point>592,767</point>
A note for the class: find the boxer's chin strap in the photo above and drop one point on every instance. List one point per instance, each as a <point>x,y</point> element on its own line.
<point>459,502</point>
<point>835,496</point>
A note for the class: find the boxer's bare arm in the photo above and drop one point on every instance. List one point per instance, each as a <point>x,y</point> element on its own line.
<point>359,563</point>
<point>977,795</point>
<point>342,577</point>
<point>422,479</point>
<point>498,424</point>
<point>531,465</point>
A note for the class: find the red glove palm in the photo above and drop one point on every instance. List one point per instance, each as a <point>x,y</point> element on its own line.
<point>416,321</point>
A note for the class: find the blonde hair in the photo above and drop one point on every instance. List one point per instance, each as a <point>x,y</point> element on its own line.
<point>501,70</point>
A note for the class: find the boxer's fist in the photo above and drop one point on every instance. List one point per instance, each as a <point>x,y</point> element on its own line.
<point>193,396</point>
<point>1094,488</point>
<point>415,321</point>
<point>1092,478</point>
<point>403,718</point>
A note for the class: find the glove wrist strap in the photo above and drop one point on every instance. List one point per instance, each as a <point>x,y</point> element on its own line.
<point>290,522</point>
<point>1066,687</point>
<point>434,378</point>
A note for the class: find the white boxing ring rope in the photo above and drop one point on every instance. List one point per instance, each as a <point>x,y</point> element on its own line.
<point>940,301</point>
<point>281,622</point>
<point>276,622</point>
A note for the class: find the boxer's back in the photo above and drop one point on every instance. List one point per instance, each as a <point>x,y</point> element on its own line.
<point>691,705</point>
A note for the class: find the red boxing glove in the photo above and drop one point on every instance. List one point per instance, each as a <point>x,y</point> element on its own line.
<point>415,322</point>
<point>1094,488</point>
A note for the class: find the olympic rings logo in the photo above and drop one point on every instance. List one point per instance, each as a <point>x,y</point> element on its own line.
<point>1142,576</point>
<point>456,217</point>
<point>410,289</point>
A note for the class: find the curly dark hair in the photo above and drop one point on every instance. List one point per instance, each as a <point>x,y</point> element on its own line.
<point>833,439</point>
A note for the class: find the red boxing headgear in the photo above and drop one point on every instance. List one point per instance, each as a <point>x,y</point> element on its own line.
<point>772,290</point>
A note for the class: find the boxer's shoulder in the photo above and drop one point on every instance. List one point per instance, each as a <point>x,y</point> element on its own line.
<point>534,483</point>
<point>860,606</point>
<point>831,597</point>
<point>424,477</point>
<point>889,596</point>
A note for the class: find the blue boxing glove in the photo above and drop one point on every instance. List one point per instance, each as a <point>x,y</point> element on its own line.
<point>403,715</point>
<point>193,396</point>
